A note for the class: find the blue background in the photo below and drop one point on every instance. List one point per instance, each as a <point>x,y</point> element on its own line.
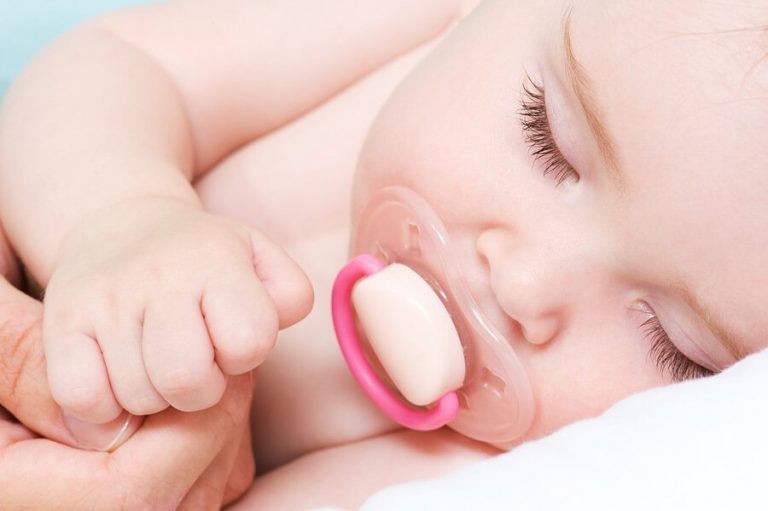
<point>27,26</point>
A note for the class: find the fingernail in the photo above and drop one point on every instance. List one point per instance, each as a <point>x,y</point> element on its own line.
<point>102,437</point>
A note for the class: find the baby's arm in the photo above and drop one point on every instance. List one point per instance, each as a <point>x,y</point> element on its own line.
<point>140,102</point>
<point>99,140</point>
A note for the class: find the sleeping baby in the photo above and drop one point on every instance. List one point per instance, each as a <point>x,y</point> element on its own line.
<point>597,169</point>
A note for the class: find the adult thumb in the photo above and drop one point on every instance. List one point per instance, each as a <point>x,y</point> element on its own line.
<point>24,385</point>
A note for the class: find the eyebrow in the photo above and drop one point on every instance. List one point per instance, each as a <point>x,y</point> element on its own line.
<point>581,86</point>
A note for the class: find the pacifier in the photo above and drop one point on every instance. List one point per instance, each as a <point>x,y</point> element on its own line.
<point>429,356</point>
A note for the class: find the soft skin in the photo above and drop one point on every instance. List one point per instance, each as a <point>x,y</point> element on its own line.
<point>149,300</point>
<point>568,271</point>
<point>166,127</point>
<point>563,269</point>
<point>177,461</point>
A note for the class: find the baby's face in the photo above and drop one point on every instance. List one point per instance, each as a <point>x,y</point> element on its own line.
<point>633,250</point>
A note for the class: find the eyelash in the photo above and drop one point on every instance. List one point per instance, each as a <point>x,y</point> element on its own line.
<point>668,358</point>
<point>538,136</point>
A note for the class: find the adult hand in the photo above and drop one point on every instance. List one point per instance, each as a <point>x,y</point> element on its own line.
<point>196,461</point>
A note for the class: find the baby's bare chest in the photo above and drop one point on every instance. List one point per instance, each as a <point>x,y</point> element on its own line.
<point>295,186</point>
<point>304,398</point>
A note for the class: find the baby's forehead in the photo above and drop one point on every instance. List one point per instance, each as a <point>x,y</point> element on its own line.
<point>681,87</point>
<point>676,60</point>
<point>733,30</point>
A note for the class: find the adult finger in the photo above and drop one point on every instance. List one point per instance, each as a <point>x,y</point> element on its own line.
<point>210,490</point>
<point>243,471</point>
<point>165,466</point>
<point>152,471</point>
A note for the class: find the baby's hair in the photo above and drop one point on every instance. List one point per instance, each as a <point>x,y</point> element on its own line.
<point>746,23</point>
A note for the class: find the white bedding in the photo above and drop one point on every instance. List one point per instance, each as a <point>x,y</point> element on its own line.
<point>696,445</point>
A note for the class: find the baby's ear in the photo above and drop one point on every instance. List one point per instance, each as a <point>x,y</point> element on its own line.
<point>283,279</point>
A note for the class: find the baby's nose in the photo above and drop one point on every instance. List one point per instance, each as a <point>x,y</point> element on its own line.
<point>531,284</point>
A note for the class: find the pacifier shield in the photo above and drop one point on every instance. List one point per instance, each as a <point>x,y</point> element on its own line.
<point>496,401</point>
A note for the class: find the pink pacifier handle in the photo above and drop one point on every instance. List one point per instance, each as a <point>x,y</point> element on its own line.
<point>445,409</point>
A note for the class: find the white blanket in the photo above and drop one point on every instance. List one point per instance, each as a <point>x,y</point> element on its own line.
<point>698,445</point>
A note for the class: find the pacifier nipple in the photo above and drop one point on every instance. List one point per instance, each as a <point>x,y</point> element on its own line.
<point>411,333</point>
<point>424,419</point>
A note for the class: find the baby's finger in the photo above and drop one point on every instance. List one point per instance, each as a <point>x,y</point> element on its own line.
<point>179,357</point>
<point>284,280</point>
<point>121,346</point>
<point>77,376</point>
<point>241,319</point>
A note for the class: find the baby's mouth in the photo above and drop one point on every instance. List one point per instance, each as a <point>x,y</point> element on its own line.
<point>496,401</point>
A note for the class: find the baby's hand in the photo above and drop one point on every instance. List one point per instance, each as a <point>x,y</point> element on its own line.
<point>154,302</point>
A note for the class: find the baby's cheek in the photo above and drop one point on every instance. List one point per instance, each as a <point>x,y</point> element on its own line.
<point>582,374</point>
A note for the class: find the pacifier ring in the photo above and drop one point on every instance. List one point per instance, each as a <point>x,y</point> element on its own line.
<point>422,419</point>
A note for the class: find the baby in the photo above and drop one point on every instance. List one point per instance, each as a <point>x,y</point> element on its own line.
<point>599,167</point>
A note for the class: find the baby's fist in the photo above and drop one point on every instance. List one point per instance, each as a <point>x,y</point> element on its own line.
<point>154,302</point>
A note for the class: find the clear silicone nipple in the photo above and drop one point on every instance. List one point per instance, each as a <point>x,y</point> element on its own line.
<point>495,401</point>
